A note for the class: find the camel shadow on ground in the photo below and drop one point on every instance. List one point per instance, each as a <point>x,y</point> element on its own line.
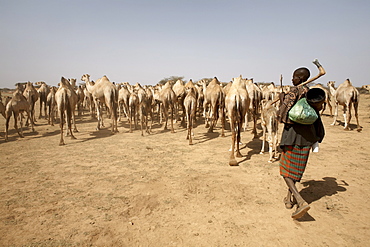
<point>352,126</point>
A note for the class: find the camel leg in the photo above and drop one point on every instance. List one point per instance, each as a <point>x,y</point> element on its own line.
<point>172,129</point>
<point>238,154</point>
<point>74,121</point>
<point>346,116</point>
<point>69,125</point>
<point>7,127</point>
<point>20,133</point>
<point>32,125</point>
<point>254,131</point>
<point>98,112</point>
<point>335,114</point>
<point>232,161</point>
<point>222,122</point>
<point>61,113</point>
<point>40,115</point>
<point>263,139</point>
<point>130,114</point>
<point>355,106</point>
<point>189,130</point>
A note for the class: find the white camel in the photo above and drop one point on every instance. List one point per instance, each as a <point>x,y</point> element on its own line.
<point>104,92</point>
<point>236,103</point>
<point>16,106</point>
<point>43,91</point>
<point>66,99</point>
<point>346,95</point>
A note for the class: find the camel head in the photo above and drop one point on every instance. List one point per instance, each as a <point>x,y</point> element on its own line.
<point>331,83</point>
<point>85,77</point>
<point>64,82</point>
<point>367,87</point>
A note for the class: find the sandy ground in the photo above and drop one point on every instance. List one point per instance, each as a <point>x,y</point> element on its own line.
<point>156,190</point>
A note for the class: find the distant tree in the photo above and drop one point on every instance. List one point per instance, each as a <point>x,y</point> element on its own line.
<point>171,78</point>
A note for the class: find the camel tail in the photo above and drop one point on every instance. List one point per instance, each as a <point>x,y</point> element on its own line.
<point>355,97</point>
<point>114,100</point>
<point>238,110</point>
<point>68,109</point>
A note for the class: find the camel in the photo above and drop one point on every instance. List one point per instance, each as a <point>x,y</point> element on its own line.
<point>43,93</point>
<point>32,96</point>
<point>144,106</point>
<point>367,87</point>
<point>328,99</point>
<point>66,99</point>
<point>270,125</point>
<point>151,104</point>
<point>179,89</point>
<point>191,84</point>
<point>346,95</point>
<point>236,103</point>
<point>190,105</point>
<point>133,104</point>
<point>80,100</point>
<point>200,97</point>
<point>168,100</point>
<point>105,92</point>
<point>255,96</point>
<point>16,106</point>
<point>2,109</point>
<point>214,98</point>
<point>88,100</point>
<point>269,92</point>
<point>123,100</point>
<point>51,103</point>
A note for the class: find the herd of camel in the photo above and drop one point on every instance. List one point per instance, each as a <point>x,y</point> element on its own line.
<point>239,102</point>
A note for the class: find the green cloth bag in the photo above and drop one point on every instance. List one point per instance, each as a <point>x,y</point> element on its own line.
<point>302,112</point>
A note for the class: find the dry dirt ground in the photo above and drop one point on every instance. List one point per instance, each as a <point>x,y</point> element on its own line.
<point>156,190</point>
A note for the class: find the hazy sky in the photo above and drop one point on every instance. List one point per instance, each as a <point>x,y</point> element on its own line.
<point>146,41</point>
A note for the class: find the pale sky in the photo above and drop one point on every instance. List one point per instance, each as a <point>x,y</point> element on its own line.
<point>147,40</point>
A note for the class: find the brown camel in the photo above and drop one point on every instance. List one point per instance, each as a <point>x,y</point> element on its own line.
<point>144,106</point>
<point>346,95</point>
<point>89,100</point>
<point>328,99</point>
<point>236,103</point>
<point>123,100</point>
<point>255,96</point>
<point>66,99</point>
<point>270,126</point>
<point>168,101</point>
<point>16,106</point>
<point>104,92</point>
<point>179,89</point>
<point>214,98</point>
<point>51,103</point>
<point>133,105</point>
<point>80,100</point>
<point>2,109</point>
<point>43,91</point>
<point>190,105</point>
<point>32,96</point>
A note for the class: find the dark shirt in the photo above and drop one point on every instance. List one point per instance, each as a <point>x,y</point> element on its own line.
<point>302,135</point>
<point>295,133</point>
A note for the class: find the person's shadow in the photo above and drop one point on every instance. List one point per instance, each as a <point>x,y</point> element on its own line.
<point>316,189</point>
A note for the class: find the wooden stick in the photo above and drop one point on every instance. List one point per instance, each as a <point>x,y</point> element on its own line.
<point>321,73</point>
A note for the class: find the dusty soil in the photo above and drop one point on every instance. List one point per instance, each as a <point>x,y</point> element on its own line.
<point>156,190</point>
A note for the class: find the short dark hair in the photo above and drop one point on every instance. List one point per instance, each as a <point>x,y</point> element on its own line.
<point>304,72</point>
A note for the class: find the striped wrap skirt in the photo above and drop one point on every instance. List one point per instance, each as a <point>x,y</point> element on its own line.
<point>293,161</point>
